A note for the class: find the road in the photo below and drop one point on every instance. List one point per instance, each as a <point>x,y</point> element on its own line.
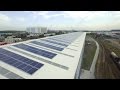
<point>92,69</point>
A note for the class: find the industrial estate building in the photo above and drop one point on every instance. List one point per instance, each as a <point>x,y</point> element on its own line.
<point>55,57</point>
<point>11,39</point>
<point>37,30</point>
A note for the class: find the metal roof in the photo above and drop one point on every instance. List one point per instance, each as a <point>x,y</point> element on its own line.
<point>54,57</point>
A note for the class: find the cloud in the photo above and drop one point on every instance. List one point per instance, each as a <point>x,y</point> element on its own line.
<point>4,18</point>
<point>44,14</point>
<point>4,22</point>
<point>36,14</point>
<point>76,14</point>
<point>21,19</point>
<point>65,14</point>
<point>82,19</point>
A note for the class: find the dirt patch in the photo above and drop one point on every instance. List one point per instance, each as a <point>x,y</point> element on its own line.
<point>105,67</point>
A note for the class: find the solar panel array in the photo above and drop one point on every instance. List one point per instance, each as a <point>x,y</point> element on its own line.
<point>54,42</point>
<point>20,62</point>
<point>48,46</point>
<point>50,43</point>
<point>36,51</point>
<point>59,43</point>
<point>65,38</point>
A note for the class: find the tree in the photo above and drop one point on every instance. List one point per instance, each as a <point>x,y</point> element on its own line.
<point>41,36</point>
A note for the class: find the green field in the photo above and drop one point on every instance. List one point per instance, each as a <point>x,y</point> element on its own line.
<point>89,52</point>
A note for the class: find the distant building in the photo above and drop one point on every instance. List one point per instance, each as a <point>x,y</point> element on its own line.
<point>115,31</point>
<point>11,39</point>
<point>37,30</point>
<point>2,38</point>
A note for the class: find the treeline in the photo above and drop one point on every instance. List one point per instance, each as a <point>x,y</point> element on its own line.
<point>11,31</point>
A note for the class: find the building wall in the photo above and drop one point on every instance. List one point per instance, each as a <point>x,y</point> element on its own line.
<point>12,40</point>
<point>78,70</point>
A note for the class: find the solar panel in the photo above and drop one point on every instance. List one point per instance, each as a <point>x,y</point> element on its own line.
<point>46,45</point>
<point>19,61</point>
<point>54,42</point>
<point>36,51</point>
<point>59,40</point>
<point>9,74</point>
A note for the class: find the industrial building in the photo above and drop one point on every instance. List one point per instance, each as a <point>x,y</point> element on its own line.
<point>55,57</point>
<point>11,39</point>
<point>36,30</point>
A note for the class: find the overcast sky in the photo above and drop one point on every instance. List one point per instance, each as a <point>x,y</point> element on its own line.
<point>82,20</point>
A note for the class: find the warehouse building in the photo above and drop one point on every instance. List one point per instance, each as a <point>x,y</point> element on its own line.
<point>55,57</point>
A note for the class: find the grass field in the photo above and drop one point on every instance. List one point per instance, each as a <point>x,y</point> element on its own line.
<point>89,52</point>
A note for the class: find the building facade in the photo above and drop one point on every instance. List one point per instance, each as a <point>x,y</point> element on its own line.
<point>37,30</point>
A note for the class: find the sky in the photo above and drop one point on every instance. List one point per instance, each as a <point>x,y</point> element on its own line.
<point>80,20</point>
